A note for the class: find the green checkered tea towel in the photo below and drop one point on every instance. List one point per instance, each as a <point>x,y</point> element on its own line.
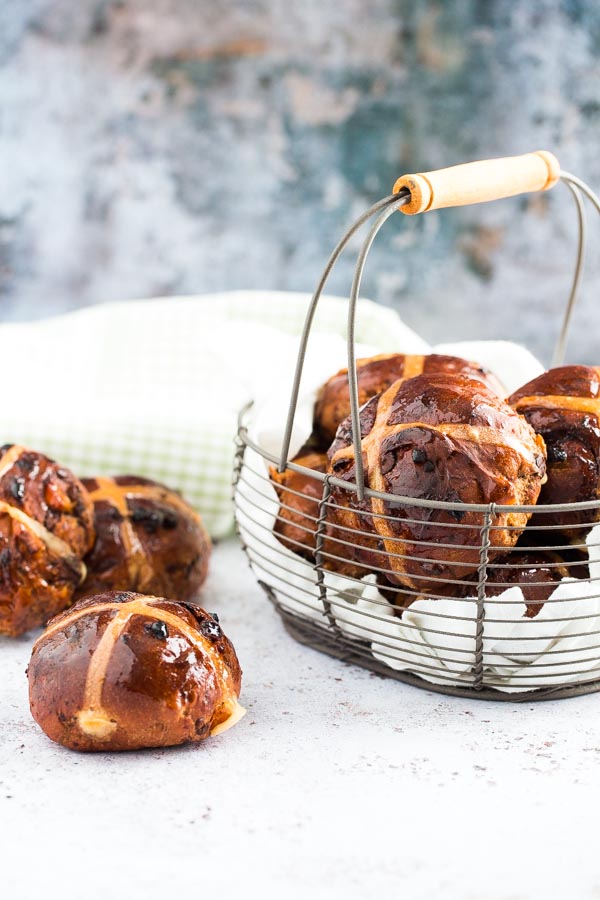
<point>154,387</point>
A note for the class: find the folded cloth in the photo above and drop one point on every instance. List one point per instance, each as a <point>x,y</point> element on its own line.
<point>154,387</point>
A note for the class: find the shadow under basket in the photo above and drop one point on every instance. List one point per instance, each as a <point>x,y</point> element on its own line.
<point>489,634</point>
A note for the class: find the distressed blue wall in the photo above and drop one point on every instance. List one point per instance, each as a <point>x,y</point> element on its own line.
<point>175,146</point>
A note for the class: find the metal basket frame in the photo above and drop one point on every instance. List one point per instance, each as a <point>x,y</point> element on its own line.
<point>324,633</point>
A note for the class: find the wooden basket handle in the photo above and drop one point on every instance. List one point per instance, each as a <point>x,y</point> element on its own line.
<point>478,182</point>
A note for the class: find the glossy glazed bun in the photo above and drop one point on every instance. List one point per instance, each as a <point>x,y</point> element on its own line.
<point>46,528</point>
<point>122,671</point>
<point>563,405</point>
<point>148,539</point>
<point>436,437</point>
<point>377,373</point>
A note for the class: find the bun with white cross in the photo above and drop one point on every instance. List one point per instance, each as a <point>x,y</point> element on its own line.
<point>148,539</point>
<point>563,405</point>
<point>441,437</point>
<point>46,528</point>
<point>123,671</point>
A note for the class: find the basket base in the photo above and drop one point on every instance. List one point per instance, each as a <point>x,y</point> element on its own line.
<point>313,637</point>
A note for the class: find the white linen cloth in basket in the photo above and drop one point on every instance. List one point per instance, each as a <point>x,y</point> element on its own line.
<point>512,642</point>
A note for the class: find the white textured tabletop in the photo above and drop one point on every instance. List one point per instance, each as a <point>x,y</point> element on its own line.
<point>337,783</point>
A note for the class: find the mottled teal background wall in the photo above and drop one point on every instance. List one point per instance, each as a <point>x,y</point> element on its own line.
<point>179,146</point>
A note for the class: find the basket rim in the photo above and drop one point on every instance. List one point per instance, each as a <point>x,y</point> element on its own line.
<point>491,509</point>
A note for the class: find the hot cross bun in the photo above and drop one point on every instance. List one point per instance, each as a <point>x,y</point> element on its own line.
<point>563,405</point>
<point>436,437</point>
<point>46,528</point>
<point>148,539</point>
<point>122,671</point>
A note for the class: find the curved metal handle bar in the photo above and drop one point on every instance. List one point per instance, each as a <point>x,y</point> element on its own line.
<point>583,187</point>
<point>391,200</point>
<point>352,373</point>
<point>559,350</point>
<point>575,185</point>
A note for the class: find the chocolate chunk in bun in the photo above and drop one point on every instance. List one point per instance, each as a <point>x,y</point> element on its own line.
<point>46,528</point>
<point>563,405</point>
<point>148,539</point>
<point>436,437</point>
<point>377,373</point>
<point>123,671</point>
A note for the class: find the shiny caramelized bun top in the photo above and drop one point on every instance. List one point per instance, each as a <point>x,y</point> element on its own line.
<point>537,572</point>
<point>377,373</point>
<point>297,518</point>
<point>148,539</point>
<point>563,405</point>
<point>122,671</point>
<point>436,437</point>
<point>46,528</point>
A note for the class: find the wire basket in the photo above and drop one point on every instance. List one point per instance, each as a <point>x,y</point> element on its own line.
<point>480,636</point>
